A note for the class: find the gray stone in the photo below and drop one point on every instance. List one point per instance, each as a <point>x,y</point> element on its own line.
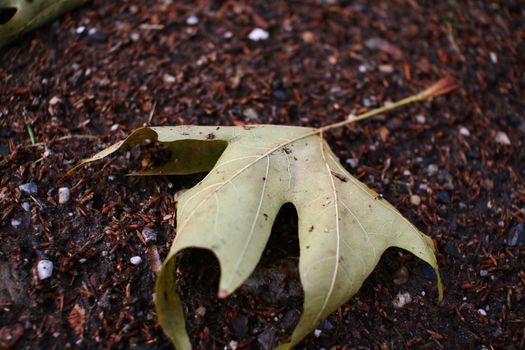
<point>29,188</point>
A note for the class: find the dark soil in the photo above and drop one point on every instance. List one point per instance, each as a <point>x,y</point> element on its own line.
<point>462,154</point>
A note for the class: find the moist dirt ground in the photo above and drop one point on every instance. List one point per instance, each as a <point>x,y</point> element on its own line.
<point>454,166</point>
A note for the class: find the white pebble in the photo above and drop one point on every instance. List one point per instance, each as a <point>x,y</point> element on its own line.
<point>200,311</point>
<point>192,20</point>
<point>493,57</point>
<point>26,206</point>
<point>114,127</point>
<point>432,169</point>
<point>233,344</point>
<point>415,199</point>
<point>258,34</point>
<point>168,78</point>
<point>401,300</point>
<point>352,162</point>
<point>420,119</point>
<point>362,68</point>
<point>386,68</point>
<point>82,260</point>
<point>228,35</point>
<point>55,100</point>
<point>502,138</point>
<point>135,260</point>
<point>44,269</point>
<point>317,333</point>
<point>482,312</point>
<point>135,37</point>
<point>15,223</point>
<point>483,273</point>
<point>63,195</point>
<point>464,131</point>
<point>80,30</point>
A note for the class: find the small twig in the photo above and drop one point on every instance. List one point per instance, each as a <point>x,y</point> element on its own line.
<point>151,113</point>
<point>31,134</point>
<point>441,87</point>
<point>63,138</point>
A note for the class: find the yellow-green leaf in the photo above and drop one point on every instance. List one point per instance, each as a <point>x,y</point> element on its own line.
<point>344,227</point>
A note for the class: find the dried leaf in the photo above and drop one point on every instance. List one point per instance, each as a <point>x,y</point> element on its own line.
<point>76,319</point>
<point>344,227</point>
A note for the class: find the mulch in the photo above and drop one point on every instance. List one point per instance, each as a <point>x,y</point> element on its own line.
<point>454,166</point>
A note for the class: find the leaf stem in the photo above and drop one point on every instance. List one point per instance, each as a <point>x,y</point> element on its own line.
<point>441,87</point>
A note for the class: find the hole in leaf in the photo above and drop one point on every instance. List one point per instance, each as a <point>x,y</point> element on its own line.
<point>6,13</point>
<point>263,312</point>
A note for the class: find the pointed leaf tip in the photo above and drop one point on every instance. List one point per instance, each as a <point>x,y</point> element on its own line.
<point>223,293</point>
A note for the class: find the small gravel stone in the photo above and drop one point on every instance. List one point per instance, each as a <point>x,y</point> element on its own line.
<point>26,206</point>
<point>375,43</point>
<point>192,20</point>
<point>135,260</point>
<point>386,68</point>
<point>401,300</point>
<point>280,95</point>
<point>483,273</point>
<point>44,269</point>
<point>250,114</point>
<point>516,236</point>
<point>267,339</point>
<point>63,195</point>
<point>149,235</point>
<point>502,138</point>
<point>401,276</point>
<point>114,127</point>
<point>415,200</point>
<point>482,312</point>
<point>29,188</point>
<point>168,78</point>
<point>55,100</point>
<point>317,333</point>
<point>258,34</point>
<point>353,162</point>
<point>15,223</point>
<point>493,57</point>
<point>80,30</point>
<point>464,131</point>
<point>200,311</point>
<point>233,344</point>
<point>432,169</point>
<point>420,119</point>
<point>95,35</point>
